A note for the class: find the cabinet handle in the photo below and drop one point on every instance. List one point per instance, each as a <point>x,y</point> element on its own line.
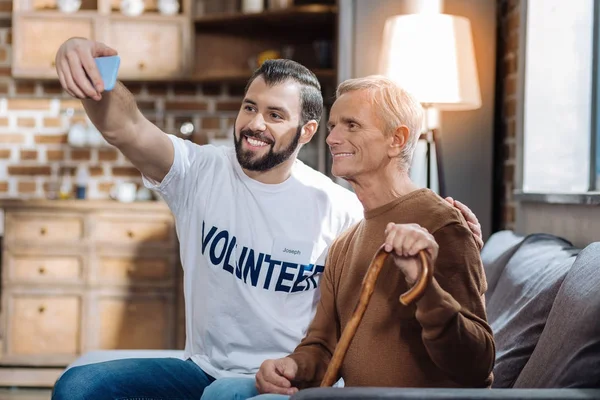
<point>130,233</point>
<point>42,270</point>
<point>41,309</point>
<point>141,66</point>
<point>43,231</point>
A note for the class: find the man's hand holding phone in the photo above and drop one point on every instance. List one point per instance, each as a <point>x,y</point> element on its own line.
<point>86,68</point>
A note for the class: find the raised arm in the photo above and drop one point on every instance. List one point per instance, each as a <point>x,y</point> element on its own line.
<point>115,114</point>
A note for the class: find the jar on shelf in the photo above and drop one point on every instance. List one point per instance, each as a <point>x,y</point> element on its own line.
<point>280,4</point>
<point>132,8</point>
<point>69,6</point>
<point>168,7</point>
<point>252,6</point>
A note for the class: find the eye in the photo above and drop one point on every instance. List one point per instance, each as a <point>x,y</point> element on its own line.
<point>330,127</point>
<point>352,126</point>
<point>276,116</point>
<point>248,108</point>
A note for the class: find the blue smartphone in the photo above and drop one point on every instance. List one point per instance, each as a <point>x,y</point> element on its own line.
<point>109,69</point>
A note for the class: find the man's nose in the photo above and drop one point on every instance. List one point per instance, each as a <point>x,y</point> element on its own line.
<point>257,123</point>
<point>333,137</point>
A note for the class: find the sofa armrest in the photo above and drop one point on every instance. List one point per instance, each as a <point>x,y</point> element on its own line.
<point>444,394</point>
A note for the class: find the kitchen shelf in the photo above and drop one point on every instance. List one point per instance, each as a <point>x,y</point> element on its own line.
<point>115,15</point>
<point>315,16</point>
<point>147,16</point>
<point>51,13</point>
<point>243,76</point>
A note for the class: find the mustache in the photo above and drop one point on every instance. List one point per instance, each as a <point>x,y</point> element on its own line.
<point>256,135</point>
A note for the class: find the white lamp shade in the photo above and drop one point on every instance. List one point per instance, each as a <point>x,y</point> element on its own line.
<point>432,56</point>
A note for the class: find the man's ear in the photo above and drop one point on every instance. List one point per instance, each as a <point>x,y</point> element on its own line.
<point>308,131</point>
<point>399,139</point>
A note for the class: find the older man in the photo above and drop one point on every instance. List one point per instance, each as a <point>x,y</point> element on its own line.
<point>441,341</point>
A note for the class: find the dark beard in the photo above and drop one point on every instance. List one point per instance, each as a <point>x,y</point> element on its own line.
<point>269,160</point>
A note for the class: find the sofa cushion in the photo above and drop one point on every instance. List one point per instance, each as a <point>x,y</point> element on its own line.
<point>568,352</point>
<point>518,309</point>
<point>498,249</point>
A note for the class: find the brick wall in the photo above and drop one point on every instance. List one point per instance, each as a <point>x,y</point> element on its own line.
<point>36,116</point>
<point>508,46</point>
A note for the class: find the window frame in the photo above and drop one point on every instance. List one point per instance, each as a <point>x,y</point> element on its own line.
<point>592,195</point>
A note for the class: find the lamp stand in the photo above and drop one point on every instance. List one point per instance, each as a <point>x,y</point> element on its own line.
<point>432,138</point>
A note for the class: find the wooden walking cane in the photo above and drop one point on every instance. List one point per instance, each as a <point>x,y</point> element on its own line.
<point>368,286</point>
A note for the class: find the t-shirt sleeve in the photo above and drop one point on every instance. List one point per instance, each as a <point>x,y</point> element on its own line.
<point>193,169</point>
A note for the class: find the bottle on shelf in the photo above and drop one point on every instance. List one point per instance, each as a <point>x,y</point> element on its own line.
<point>66,187</point>
<point>81,182</point>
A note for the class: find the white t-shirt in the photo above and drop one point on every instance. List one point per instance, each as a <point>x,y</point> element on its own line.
<point>252,254</point>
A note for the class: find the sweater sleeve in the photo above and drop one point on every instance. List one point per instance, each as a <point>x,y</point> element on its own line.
<point>452,312</point>
<point>316,349</point>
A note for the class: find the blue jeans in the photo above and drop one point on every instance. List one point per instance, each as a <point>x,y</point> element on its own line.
<point>133,378</point>
<point>243,389</point>
<point>237,389</point>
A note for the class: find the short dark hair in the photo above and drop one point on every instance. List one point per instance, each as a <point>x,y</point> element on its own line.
<point>280,70</point>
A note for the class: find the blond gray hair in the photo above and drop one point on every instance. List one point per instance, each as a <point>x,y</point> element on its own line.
<point>394,106</point>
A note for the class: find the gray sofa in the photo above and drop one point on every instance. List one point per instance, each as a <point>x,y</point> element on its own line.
<point>543,303</point>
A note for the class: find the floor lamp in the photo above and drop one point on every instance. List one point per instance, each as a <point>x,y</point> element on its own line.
<point>432,56</point>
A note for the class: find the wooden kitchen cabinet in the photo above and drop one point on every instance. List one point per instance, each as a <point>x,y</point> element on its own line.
<point>207,41</point>
<point>135,322</point>
<point>160,49</point>
<point>152,46</point>
<point>37,37</point>
<point>85,275</point>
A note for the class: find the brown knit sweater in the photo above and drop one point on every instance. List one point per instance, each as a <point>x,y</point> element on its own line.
<point>442,341</point>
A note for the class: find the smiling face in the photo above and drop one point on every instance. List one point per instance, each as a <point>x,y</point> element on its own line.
<point>268,129</point>
<point>356,139</point>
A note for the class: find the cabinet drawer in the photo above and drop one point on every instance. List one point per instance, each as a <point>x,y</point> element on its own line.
<point>42,325</point>
<point>44,228</point>
<point>124,231</point>
<point>135,322</point>
<point>47,268</point>
<point>131,270</point>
